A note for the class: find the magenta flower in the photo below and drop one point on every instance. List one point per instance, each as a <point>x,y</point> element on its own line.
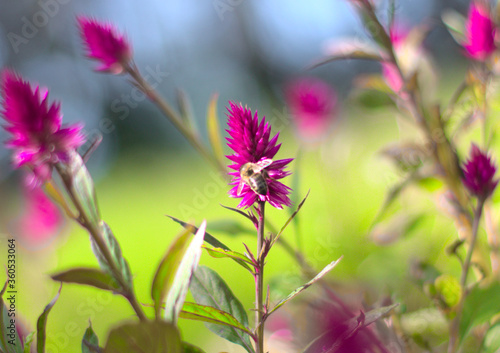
<point>38,139</point>
<point>106,45</point>
<point>480,32</point>
<point>251,144</point>
<point>478,173</point>
<point>390,72</point>
<point>312,104</point>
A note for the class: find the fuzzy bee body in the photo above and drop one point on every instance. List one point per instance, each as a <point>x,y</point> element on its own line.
<point>254,175</point>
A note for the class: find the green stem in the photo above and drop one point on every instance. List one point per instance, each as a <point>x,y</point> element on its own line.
<point>174,118</point>
<point>96,235</point>
<point>455,324</point>
<point>259,282</point>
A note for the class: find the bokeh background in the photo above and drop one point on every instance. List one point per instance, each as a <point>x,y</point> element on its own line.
<point>245,51</point>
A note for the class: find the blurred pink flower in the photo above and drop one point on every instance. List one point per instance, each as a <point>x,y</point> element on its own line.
<point>38,138</point>
<point>312,103</point>
<point>480,32</point>
<point>479,172</point>
<point>390,72</point>
<point>105,44</point>
<point>40,221</point>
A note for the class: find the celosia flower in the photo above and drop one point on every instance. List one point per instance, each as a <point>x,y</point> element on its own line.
<point>106,45</point>
<point>251,144</point>
<point>478,172</point>
<point>390,72</point>
<point>480,32</point>
<point>38,139</point>
<point>312,104</point>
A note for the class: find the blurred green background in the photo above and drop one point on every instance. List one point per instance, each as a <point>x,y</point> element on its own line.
<point>144,170</point>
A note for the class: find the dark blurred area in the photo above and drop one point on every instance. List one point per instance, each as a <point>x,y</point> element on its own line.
<point>244,50</point>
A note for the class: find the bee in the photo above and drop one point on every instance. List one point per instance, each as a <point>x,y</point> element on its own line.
<point>254,175</point>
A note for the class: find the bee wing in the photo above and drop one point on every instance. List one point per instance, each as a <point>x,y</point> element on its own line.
<point>240,187</point>
<point>263,164</point>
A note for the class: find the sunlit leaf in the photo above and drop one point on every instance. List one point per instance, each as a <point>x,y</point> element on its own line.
<point>297,291</point>
<point>198,312</point>
<point>209,289</point>
<point>491,343</point>
<point>174,273</point>
<point>89,276</point>
<point>213,128</point>
<point>448,290</point>
<point>41,324</point>
<point>208,237</point>
<point>28,342</point>
<point>89,340</point>
<point>144,336</point>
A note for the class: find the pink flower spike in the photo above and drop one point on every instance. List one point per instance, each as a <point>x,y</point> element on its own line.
<point>312,103</point>
<point>37,136</point>
<point>105,44</point>
<point>480,32</point>
<point>251,143</point>
<point>479,172</point>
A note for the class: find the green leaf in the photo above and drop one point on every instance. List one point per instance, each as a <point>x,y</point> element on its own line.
<point>208,237</point>
<point>349,53</point>
<point>174,273</point>
<point>198,312</point>
<point>297,291</point>
<point>41,324</point>
<point>144,336</point>
<point>83,188</point>
<point>115,251</point>
<point>350,328</point>
<point>480,306</point>
<point>236,256</point>
<point>213,128</point>
<point>491,343</point>
<point>209,289</point>
<point>275,239</point>
<point>28,341</point>
<point>455,23</point>
<point>89,276</point>
<point>448,290</point>
<point>189,348</point>
<point>9,338</point>
<point>89,340</point>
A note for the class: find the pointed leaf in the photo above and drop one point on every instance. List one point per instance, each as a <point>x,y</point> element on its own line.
<point>172,277</point>
<point>208,288</point>
<point>275,239</point>
<point>41,324</point>
<point>9,337</point>
<point>116,253</point>
<point>296,292</point>
<point>213,128</point>
<point>186,111</point>
<point>198,312</point>
<point>348,53</point>
<point>455,23</point>
<point>236,256</point>
<point>89,340</point>
<point>208,237</point>
<point>28,341</point>
<point>177,293</point>
<point>89,276</point>
<point>144,336</point>
<point>491,341</point>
